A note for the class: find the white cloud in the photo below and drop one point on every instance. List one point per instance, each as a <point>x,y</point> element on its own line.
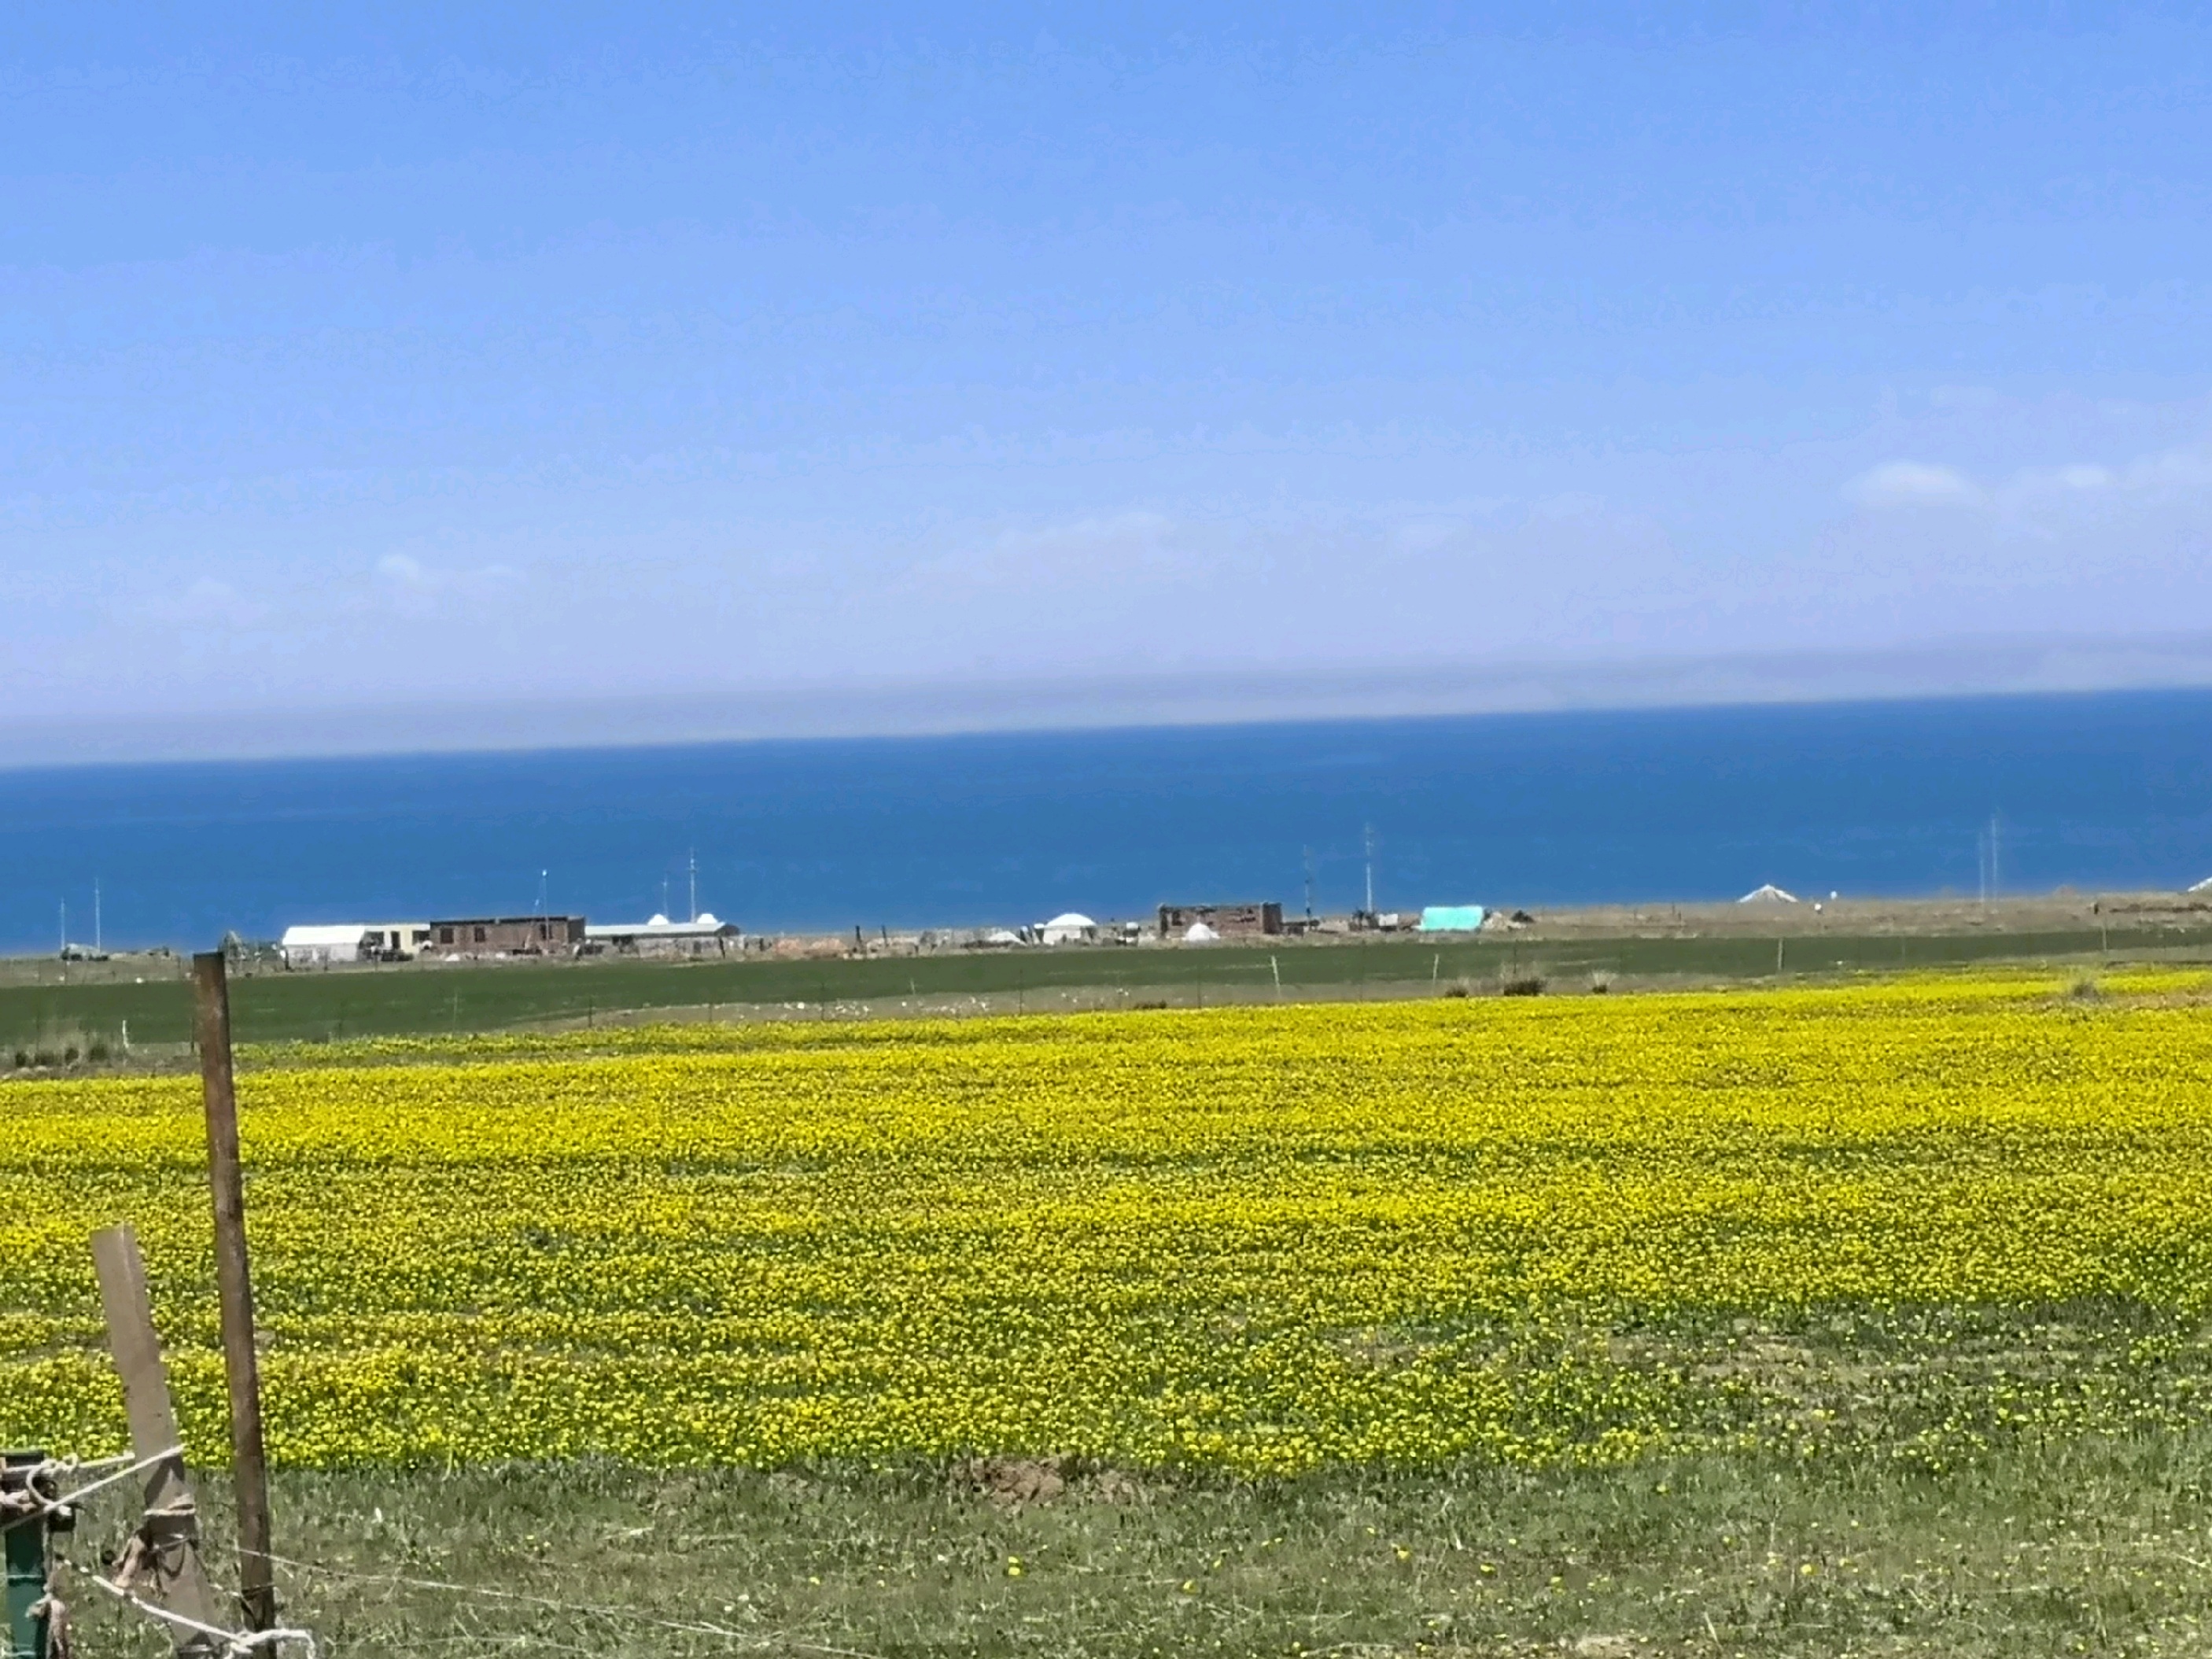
<point>2084,477</point>
<point>1914,483</point>
<point>408,584</point>
<point>2167,479</point>
<point>405,572</point>
<point>2033,493</point>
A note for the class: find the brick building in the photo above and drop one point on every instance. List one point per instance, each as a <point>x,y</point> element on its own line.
<point>1230,920</point>
<point>513,936</point>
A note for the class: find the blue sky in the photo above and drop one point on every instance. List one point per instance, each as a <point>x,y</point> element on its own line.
<point>391,365</point>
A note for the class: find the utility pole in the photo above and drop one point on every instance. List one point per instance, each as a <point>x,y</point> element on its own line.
<point>1369,839</point>
<point>257,1591</point>
<point>1308,852</point>
<point>691,860</point>
<point>96,916</point>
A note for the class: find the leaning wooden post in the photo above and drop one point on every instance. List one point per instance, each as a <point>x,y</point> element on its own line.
<point>165,1558</point>
<point>257,1592</point>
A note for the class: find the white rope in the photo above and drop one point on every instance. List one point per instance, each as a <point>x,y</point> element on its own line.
<point>234,1642</point>
<point>69,1499</point>
<point>79,1465</point>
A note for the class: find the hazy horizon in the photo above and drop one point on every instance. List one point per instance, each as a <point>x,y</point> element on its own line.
<point>2017,669</point>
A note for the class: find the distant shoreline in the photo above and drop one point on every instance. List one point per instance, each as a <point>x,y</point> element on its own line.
<point>1616,810</point>
<point>120,1013</point>
<point>1796,916</point>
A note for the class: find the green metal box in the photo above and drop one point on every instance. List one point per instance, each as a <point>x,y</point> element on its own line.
<point>26,1536</point>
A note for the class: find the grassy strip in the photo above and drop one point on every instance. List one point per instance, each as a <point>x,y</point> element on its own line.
<point>2092,1546</point>
<point>414,999</point>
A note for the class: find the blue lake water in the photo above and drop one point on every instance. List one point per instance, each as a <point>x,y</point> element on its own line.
<point>2104,791</point>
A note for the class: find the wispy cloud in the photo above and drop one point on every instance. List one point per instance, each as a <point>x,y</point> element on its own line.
<point>2185,470</point>
<point>408,584</point>
<point>1913,484</point>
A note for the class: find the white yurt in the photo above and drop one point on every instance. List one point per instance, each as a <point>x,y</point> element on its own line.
<point>1069,927</point>
<point>1198,933</point>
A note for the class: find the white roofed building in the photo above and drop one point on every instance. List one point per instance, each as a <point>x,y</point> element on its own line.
<point>322,944</point>
<point>397,941</point>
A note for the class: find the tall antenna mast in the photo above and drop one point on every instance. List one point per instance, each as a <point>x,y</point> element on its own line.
<point>96,916</point>
<point>691,860</point>
<point>1307,852</point>
<point>1370,838</point>
<point>1993,856</point>
<point>65,927</point>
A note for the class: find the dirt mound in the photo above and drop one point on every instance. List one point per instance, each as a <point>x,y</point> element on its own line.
<point>1013,1479</point>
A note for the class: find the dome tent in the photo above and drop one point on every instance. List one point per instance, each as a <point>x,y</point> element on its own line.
<point>1198,933</point>
<point>1069,927</point>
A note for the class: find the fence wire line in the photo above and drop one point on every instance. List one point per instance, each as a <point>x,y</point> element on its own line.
<point>71,1499</point>
<point>689,1627</point>
<point>234,1642</point>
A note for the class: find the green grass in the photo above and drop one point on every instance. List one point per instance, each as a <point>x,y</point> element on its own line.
<point>2094,1547</point>
<point>277,1007</point>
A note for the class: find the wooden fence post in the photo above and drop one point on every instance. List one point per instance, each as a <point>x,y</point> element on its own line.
<point>257,1591</point>
<point>170,1568</point>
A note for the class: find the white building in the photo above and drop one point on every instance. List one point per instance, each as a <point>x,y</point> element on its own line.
<point>1069,927</point>
<point>1768,894</point>
<point>397,941</point>
<point>704,935</point>
<point>322,944</point>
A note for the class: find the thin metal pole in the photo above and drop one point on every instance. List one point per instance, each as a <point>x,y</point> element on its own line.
<point>257,1592</point>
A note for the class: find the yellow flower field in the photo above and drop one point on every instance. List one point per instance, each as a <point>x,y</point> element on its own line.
<point>1916,1216</point>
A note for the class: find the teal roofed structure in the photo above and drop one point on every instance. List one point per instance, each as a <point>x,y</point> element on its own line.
<point>1450,918</point>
